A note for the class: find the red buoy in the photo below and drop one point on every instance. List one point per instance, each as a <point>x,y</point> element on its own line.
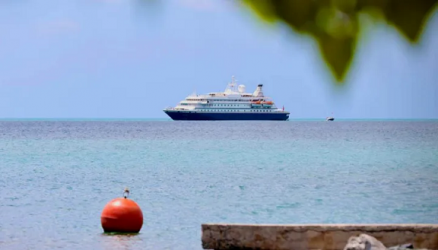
<point>122,215</point>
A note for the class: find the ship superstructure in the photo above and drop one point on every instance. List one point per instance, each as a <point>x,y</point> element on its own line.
<point>232,104</point>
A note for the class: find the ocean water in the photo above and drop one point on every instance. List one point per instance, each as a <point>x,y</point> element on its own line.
<point>56,177</point>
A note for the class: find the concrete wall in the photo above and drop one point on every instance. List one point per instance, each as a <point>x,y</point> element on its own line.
<point>327,237</point>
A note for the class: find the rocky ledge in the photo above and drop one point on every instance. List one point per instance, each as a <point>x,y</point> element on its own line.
<point>327,237</point>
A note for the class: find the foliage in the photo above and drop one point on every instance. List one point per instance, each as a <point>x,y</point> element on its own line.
<point>335,25</point>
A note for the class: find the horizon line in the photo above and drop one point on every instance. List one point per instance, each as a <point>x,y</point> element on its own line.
<point>169,119</point>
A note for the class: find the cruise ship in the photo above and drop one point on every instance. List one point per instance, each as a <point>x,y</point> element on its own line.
<point>231,104</point>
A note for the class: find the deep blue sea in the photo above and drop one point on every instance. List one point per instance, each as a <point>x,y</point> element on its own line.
<point>56,177</point>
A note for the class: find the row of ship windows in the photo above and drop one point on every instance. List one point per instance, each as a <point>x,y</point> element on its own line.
<point>230,110</point>
<point>216,105</point>
<point>223,100</point>
<point>226,105</point>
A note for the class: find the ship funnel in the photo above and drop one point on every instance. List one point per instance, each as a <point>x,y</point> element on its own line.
<point>258,92</point>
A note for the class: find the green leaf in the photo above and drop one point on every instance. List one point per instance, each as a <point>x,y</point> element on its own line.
<point>334,23</point>
<point>263,8</point>
<point>409,16</point>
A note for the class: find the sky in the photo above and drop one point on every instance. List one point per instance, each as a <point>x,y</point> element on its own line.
<point>124,59</point>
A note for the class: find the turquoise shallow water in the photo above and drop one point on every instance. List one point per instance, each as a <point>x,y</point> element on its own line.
<point>56,177</point>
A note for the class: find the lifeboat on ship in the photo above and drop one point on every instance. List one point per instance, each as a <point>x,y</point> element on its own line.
<point>267,103</point>
<point>256,103</point>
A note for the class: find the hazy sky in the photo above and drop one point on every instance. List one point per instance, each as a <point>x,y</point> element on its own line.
<point>123,59</point>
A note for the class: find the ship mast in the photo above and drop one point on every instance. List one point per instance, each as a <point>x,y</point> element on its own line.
<point>231,86</point>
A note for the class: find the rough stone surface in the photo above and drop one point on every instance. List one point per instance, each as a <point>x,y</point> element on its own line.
<point>402,247</point>
<point>364,242</point>
<point>324,237</point>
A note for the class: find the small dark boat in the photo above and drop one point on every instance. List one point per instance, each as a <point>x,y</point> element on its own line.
<point>330,119</point>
